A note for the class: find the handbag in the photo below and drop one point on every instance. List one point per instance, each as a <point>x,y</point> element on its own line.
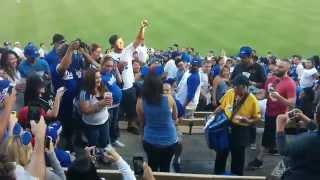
<point>216,129</point>
<point>216,132</point>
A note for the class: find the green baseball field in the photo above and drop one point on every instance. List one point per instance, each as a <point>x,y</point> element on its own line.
<point>284,27</point>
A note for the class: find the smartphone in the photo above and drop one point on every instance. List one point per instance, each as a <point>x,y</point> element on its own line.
<point>138,165</point>
<point>34,113</point>
<point>47,142</point>
<point>292,113</point>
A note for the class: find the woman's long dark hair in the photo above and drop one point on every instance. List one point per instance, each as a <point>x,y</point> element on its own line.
<point>33,85</point>
<point>152,89</point>
<point>89,82</point>
<point>4,63</point>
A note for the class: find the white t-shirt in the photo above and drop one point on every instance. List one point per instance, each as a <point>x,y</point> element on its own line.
<point>19,52</point>
<point>299,70</point>
<point>42,52</point>
<point>205,87</point>
<point>97,118</point>
<point>171,69</point>
<point>126,56</point>
<point>22,174</point>
<point>307,78</point>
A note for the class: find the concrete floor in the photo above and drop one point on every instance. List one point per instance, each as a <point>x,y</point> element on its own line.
<point>197,157</point>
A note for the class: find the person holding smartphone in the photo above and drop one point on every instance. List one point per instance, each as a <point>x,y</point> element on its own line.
<point>93,104</point>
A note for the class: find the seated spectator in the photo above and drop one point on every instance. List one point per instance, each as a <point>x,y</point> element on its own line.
<point>64,157</point>
<point>84,168</point>
<point>303,151</point>
<point>34,99</point>
<point>29,163</point>
<point>32,63</point>
<point>7,101</point>
<point>157,113</point>
<point>7,168</point>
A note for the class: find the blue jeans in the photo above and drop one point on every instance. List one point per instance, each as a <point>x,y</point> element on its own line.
<point>97,135</point>
<point>114,124</point>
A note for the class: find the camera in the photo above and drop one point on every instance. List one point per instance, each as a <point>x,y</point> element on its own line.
<point>82,44</point>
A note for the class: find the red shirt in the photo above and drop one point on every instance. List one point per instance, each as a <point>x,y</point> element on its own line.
<point>286,87</point>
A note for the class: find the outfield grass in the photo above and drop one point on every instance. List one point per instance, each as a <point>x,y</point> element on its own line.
<point>282,26</point>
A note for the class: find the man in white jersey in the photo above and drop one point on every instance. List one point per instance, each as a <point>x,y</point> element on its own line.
<point>123,57</point>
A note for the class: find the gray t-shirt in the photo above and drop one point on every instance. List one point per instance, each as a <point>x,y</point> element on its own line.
<point>97,118</point>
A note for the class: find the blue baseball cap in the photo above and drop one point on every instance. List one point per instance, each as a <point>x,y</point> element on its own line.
<point>196,62</point>
<point>31,51</point>
<point>53,131</point>
<point>245,52</point>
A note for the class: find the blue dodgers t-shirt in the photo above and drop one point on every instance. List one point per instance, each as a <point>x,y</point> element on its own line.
<point>215,70</point>
<point>71,80</point>
<point>52,59</point>
<point>40,66</point>
<point>110,82</point>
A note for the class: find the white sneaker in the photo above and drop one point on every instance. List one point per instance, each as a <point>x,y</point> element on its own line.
<point>119,144</point>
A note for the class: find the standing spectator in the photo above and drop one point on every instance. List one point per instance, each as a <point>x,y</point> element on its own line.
<point>9,63</point>
<point>242,108</point>
<point>33,64</point>
<point>42,51</point>
<point>281,92</point>
<point>249,68</point>
<point>124,57</point>
<point>218,66</point>
<point>220,85</point>
<point>136,70</point>
<point>93,55</point>
<point>93,106</point>
<point>110,82</point>
<point>68,74</point>
<point>307,82</point>
<point>309,74</point>
<point>157,114</point>
<point>205,94</point>
<point>296,69</point>
<point>171,69</point>
<point>188,91</point>
<point>17,49</point>
<point>52,57</point>
<point>181,70</point>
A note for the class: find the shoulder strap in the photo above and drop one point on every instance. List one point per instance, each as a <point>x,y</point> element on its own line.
<point>237,106</point>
